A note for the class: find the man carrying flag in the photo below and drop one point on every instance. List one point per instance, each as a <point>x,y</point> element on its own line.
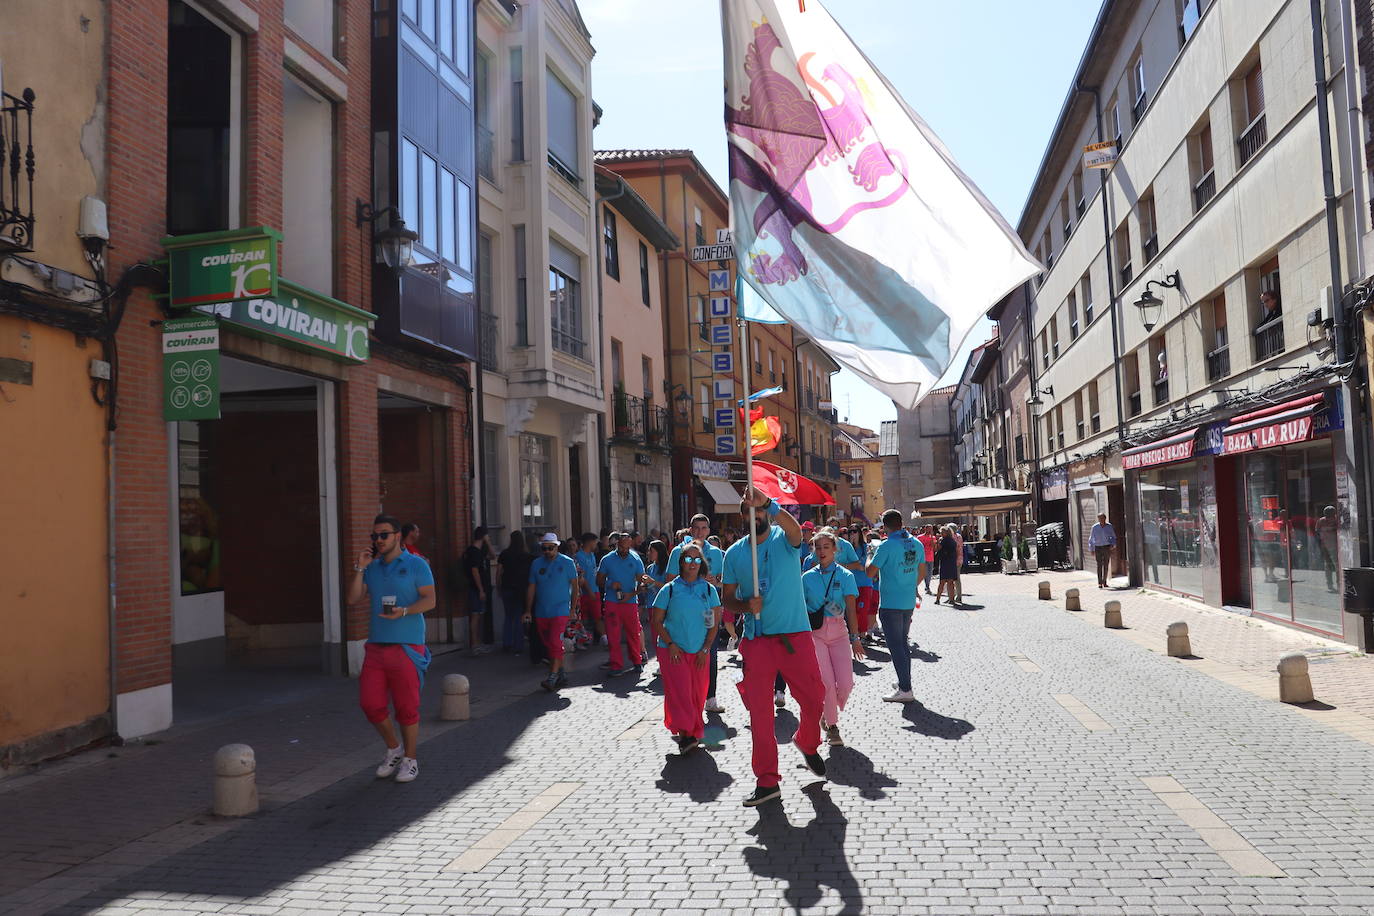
<point>776,638</point>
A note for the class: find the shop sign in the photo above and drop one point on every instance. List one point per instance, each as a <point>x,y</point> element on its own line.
<point>304,319</point>
<point>1055,484</point>
<point>1163,454</point>
<point>214,267</point>
<point>1213,439</point>
<point>705,468</point>
<point>1287,432</point>
<point>190,368</point>
<point>1330,419</point>
<point>643,459</point>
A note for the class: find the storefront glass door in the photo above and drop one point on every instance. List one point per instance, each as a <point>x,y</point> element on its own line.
<point>1171,530</point>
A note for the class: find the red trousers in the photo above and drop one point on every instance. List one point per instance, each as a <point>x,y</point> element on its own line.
<point>867,607</point>
<point>684,693</point>
<point>388,670</point>
<point>622,616</point>
<point>590,607</point>
<point>765,657</point>
<point>550,631</point>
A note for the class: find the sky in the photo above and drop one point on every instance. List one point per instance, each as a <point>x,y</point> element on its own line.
<point>988,76</point>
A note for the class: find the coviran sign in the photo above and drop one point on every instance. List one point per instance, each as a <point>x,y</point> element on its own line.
<point>214,267</point>
<point>305,319</point>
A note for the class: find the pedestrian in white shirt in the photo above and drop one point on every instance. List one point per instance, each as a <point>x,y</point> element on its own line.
<point>1101,540</point>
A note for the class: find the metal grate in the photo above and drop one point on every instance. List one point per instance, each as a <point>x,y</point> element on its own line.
<point>1252,138</point>
<point>16,171</point>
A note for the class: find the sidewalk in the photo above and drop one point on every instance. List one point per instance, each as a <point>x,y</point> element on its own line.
<point>1341,676</point>
<point>75,823</point>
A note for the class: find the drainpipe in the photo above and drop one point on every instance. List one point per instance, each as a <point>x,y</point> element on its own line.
<point>605,444</point>
<point>1034,424</point>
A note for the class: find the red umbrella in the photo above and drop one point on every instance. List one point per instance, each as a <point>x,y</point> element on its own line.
<point>788,487</point>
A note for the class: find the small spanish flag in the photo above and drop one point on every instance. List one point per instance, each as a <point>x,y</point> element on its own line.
<point>764,432</point>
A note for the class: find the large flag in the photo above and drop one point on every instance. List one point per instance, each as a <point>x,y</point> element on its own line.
<point>850,218</point>
<point>788,487</point>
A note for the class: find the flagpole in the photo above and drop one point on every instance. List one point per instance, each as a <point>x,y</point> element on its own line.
<point>748,443</point>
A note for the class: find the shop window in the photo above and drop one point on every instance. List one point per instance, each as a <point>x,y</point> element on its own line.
<point>1171,528</point>
<point>535,494</point>
<point>204,122</point>
<point>198,507</point>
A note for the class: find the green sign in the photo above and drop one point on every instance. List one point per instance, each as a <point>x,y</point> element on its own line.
<point>304,319</point>
<point>190,368</point>
<point>231,266</point>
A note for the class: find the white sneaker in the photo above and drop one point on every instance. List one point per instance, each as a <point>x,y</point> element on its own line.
<point>713,705</point>
<point>900,696</point>
<point>779,699</point>
<point>408,770</point>
<point>605,641</point>
<point>389,762</point>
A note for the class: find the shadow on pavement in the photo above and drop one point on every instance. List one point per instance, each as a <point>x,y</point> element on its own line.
<point>806,858</point>
<point>784,726</point>
<point>848,767</point>
<point>929,722</point>
<point>694,775</point>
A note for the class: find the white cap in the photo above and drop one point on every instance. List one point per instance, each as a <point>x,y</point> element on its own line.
<point>549,538</point>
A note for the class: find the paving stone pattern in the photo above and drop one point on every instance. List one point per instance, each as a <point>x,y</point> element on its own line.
<point>991,796</point>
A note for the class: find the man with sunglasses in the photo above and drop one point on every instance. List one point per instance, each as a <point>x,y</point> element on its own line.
<point>401,588</point>
<point>555,582</point>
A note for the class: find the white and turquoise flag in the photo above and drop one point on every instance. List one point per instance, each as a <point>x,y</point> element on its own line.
<point>851,220</point>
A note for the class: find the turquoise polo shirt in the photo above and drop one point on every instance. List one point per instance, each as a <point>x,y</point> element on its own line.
<point>402,577</point>
<point>689,612</point>
<point>586,562</point>
<point>626,570</point>
<point>898,560</point>
<point>784,609</point>
<point>552,581</point>
<point>715,559</point>
<point>825,589</point>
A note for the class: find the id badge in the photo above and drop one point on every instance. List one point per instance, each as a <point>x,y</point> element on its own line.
<point>763,586</point>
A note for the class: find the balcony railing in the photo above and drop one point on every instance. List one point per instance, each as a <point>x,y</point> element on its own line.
<point>832,470</point>
<point>1269,339</point>
<point>1133,403</point>
<point>1138,109</point>
<point>1097,423</point>
<point>1205,189</point>
<point>1218,363</point>
<point>1161,387</point>
<point>1252,138</point>
<point>486,153</point>
<point>573,346</point>
<point>635,420</point>
<point>1151,247</point>
<point>16,159</point>
<point>810,399</point>
<point>1126,273</point>
<point>491,342</point>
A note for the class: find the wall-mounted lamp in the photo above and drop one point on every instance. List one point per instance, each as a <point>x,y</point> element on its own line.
<point>394,245</point>
<point>1034,402</point>
<point>1149,304</point>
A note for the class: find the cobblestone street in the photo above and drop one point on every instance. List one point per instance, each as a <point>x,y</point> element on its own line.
<point>1052,766</point>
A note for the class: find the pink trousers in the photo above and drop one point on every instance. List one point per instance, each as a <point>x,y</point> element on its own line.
<point>684,692</point>
<point>765,657</point>
<point>835,659</point>
<point>622,616</point>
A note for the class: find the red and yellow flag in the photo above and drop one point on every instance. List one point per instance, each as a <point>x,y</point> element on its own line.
<point>764,432</point>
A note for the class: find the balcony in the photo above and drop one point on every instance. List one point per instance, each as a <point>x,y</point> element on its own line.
<point>810,399</point>
<point>1151,248</point>
<point>1138,109</point>
<point>832,470</point>
<point>1126,273</point>
<point>1133,404</point>
<point>1252,138</point>
<point>1205,189</point>
<point>819,467</point>
<point>1096,422</point>
<point>1269,339</point>
<point>1161,388</point>
<point>16,128</point>
<point>491,342</point>
<point>486,153</point>
<point>639,422</point>
<point>1218,363</point>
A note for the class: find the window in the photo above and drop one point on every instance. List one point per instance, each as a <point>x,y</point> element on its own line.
<point>201,499</point>
<point>517,105</point>
<point>1130,372</point>
<point>611,254</point>
<point>706,425</point>
<point>1073,316</point>
<point>1159,367</point>
<point>772,370</point>
<point>1114,122</point>
<point>1054,335</point>
<point>700,230</point>
<point>1080,201</point>
<point>313,20</point>
<point>1139,95</point>
<point>565,300</point>
<point>856,503</point>
<point>758,366</point>
<point>617,364</point>
<point>1269,315</point>
<point>1044,350</point>
<point>1059,425</point>
<point>1149,232</point>
<point>486,140</point>
<point>1253,133</point>
<point>564,148</point>
<point>203,123</point>
<point>522,304</point>
<point>490,340</point>
<point>856,476</point>
<point>1094,418</point>
<point>1065,216</point>
<point>1048,244</point>
<point>1189,11</point>
<point>644,273</point>
<point>646,372</point>
<point>492,466</point>
<point>703,326</point>
<point>1218,344</point>
<point>1085,296</point>
<point>534,479</point>
<point>1200,158</point>
<point>1079,428</point>
<point>307,186</point>
<point>1122,250</point>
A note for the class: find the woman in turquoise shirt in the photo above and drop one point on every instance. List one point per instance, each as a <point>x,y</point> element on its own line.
<point>831,597</point>
<point>685,619</point>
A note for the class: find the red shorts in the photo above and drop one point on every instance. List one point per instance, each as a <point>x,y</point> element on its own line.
<point>590,607</point>
<point>388,670</point>
<point>550,631</point>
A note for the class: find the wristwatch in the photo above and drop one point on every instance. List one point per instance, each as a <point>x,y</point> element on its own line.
<point>357,568</point>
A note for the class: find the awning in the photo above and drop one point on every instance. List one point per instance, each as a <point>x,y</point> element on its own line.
<point>725,496</point>
<point>971,501</point>
<point>1175,448</point>
<point>1278,424</point>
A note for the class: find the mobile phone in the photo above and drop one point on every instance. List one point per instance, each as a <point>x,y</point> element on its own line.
<point>374,550</point>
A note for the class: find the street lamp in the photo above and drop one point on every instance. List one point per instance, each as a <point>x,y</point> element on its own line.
<point>1034,402</point>
<point>394,245</point>
<point>1149,304</point>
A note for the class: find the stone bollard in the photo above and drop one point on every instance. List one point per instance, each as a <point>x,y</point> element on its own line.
<point>236,781</point>
<point>1295,684</point>
<point>1045,591</point>
<point>1111,615</point>
<point>1071,600</point>
<point>1179,644</point>
<point>454,707</point>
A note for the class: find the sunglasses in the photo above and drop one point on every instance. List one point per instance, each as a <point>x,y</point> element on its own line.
<point>691,561</point>
<point>381,536</point>
<point>549,547</point>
